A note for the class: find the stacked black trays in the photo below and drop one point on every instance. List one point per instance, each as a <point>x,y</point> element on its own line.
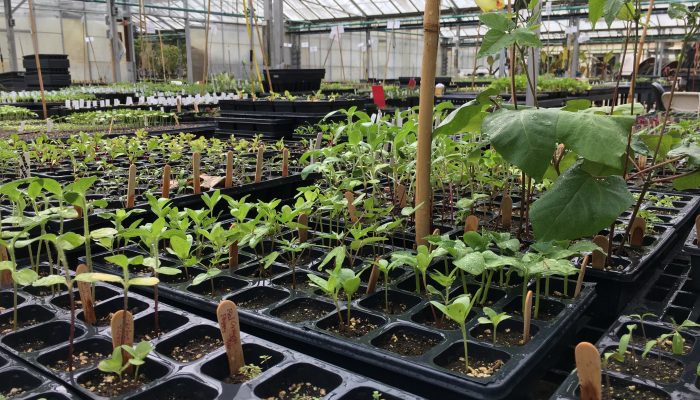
<point>55,71</point>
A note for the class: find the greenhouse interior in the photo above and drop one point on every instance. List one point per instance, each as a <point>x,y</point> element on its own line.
<point>350,200</point>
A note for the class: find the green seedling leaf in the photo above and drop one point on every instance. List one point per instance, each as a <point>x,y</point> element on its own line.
<point>50,280</point>
<point>144,281</point>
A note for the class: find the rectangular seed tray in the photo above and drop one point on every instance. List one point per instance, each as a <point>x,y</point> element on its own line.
<point>17,375</point>
<point>260,302</point>
<point>170,379</point>
<point>685,386</point>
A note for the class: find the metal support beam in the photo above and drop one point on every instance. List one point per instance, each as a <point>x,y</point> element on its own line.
<point>10,27</point>
<point>129,44</point>
<point>368,49</point>
<point>267,29</point>
<point>277,32</point>
<point>112,12</point>
<point>188,44</point>
<point>575,48</point>
<point>533,61</point>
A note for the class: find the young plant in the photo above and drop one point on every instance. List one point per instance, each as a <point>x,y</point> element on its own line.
<point>458,311</point>
<point>116,365</point>
<point>494,319</point>
<point>620,353</point>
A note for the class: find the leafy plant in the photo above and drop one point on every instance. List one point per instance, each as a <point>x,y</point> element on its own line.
<point>458,311</point>
<point>494,319</point>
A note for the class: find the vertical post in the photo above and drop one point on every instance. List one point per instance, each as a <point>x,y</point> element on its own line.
<point>431,29</point>
<point>533,63</point>
<point>573,66</point>
<point>640,52</point>
<point>188,44</point>
<point>35,43</point>
<point>129,44</point>
<point>277,42</point>
<point>368,39</point>
<point>205,71</point>
<point>10,28</point>
<point>502,63</point>
<point>114,39</point>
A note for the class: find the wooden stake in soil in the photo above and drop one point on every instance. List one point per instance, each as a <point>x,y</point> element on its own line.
<point>259,164</point>
<point>697,230</point>
<point>431,29</point>
<point>228,181</point>
<point>599,257</point>
<point>122,328</point>
<point>637,235</point>
<point>165,193</point>
<point>352,211</point>
<point>227,315</point>
<point>285,162</point>
<point>527,317</point>
<point>506,211</point>
<point>581,275</point>
<point>303,232</point>
<point>319,141</point>
<point>131,187</point>
<point>471,224</point>
<point>35,43</point>
<point>588,371</point>
<point>196,179</point>
<point>85,291</point>
<point>373,278</point>
<point>5,275</point>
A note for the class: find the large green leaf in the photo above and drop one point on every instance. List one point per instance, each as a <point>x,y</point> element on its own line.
<point>579,205</point>
<point>691,150</point>
<point>595,10</point>
<point>524,138</point>
<point>691,181</point>
<point>467,118</point>
<point>528,138</point>
<point>498,21</point>
<point>494,41</point>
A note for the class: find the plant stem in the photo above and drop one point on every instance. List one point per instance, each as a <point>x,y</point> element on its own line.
<point>463,328</point>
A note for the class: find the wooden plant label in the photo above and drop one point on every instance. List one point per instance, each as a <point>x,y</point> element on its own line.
<point>581,275</point>
<point>259,165</point>
<point>122,328</point>
<point>179,106</point>
<point>85,291</point>
<point>285,162</point>
<point>196,107</point>
<point>227,315</point>
<point>303,232</point>
<point>697,230</point>
<point>5,275</point>
<point>400,191</point>
<point>637,234</point>
<point>350,197</point>
<point>642,162</point>
<point>373,278</point>
<point>228,181</point>
<point>471,224</point>
<point>527,317</point>
<point>588,370</point>
<point>196,166</point>
<point>165,193</point>
<point>131,187</point>
<point>319,141</point>
<point>506,211</point>
<point>233,255</point>
<point>599,257</point>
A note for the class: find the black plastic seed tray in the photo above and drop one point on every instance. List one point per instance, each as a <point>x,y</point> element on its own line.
<point>673,378</point>
<point>198,375</point>
<point>271,305</point>
<point>18,381</point>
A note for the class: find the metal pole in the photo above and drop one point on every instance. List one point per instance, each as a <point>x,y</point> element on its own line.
<point>188,45</point>
<point>277,39</point>
<point>129,44</point>
<point>10,27</point>
<point>367,52</point>
<point>111,21</point>
<point>533,64</point>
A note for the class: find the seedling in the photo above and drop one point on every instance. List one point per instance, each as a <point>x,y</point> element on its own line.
<point>677,339</point>
<point>252,371</point>
<point>641,318</point>
<point>116,365</point>
<point>494,319</point>
<point>458,311</point>
<point>620,353</point>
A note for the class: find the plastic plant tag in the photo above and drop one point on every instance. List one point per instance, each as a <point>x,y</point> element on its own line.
<point>85,291</point>
<point>165,193</point>
<point>131,187</point>
<point>588,371</point>
<point>378,96</point>
<point>227,315</point>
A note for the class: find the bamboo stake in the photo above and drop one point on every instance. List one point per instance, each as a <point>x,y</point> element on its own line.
<point>259,164</point>
<point>640,51</point>
<point>252,47</point>
<point>35,43</point>
<point>285,162</point>
<point>431,28</point>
